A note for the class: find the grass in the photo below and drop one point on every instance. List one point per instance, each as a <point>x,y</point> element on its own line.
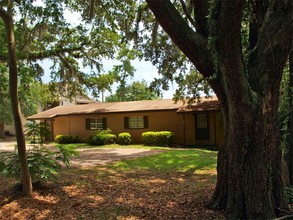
<point>173,160</point>
<point>179,160</point>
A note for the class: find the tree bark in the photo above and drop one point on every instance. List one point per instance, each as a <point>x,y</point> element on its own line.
<point>13,84</point>
<point>249,183</point>
<point>289,134</point>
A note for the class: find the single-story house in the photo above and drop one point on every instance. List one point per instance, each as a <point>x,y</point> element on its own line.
<point>197,124</point>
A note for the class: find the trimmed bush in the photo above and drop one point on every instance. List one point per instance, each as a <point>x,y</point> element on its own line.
<point>124,138</point>
<point>66,139</point>
<point>158,138</point>
<point>102,138</point>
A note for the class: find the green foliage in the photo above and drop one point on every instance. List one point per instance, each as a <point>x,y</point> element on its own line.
<point>284,106</point>
<point>124,138</point>
<point>289,194</point>
<point>191,87</point>
<point>43,164</point>
<point>133,92</point>
<point>5,110</point>
<point>101,83</point>
<point>102,137</point>
<point>37,132</point>
<point>31,93</point>
<point>158,138</point>
<point>45,93</point>
<point>66,139</point>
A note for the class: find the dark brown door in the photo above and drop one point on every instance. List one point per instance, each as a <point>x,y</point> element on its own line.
<point>202,131</point>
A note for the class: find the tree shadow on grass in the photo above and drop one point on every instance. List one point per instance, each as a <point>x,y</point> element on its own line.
<point>124,192</point>
<point>99,194</point>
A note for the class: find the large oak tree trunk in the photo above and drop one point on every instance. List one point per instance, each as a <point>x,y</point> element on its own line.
<point>13,85</point>
<point>249,184</point>
<point>289,133</point>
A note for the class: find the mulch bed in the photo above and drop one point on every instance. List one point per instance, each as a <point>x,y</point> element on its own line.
<point>103,193</point>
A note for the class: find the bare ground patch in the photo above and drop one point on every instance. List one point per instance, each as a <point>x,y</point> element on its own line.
<point>106,194</point>
<point>91,157</point>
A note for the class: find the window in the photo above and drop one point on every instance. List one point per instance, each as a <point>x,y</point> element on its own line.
<point>202,120</point>
<point>96,124</point>
<point>136,122</point>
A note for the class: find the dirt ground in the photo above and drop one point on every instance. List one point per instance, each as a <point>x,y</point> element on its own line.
<point>90,190</point>
<point>90,158</point>
<point>105,194</point>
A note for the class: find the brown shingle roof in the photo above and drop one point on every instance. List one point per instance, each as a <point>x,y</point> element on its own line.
<point>209,104</point>
<point>109,107</point>
<point>212,105</point>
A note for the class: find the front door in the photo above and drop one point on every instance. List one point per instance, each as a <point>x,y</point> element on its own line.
<point>202,127</point>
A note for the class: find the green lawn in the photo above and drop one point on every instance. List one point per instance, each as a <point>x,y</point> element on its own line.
<point>173,160</point>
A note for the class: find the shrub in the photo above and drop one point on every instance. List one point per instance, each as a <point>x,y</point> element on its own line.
<point>288,194</point>
<point>124,138</point>
<point>43,164</point>
<point>102,137</point>
<point>159,138</point>
<point>37,132</point>
<point>66,139</point>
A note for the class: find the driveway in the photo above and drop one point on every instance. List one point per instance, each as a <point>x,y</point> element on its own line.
<point>91,157</point>
<point>7,145</point>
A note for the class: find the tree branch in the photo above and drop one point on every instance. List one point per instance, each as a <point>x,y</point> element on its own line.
<point>187,13</point>
<point>30,55</point>
<point>226,17</point>
<point>192,44</point>
<point>275,34</point>
<point>201,11</point>
<point>259,9</point>
<point>4,14</point>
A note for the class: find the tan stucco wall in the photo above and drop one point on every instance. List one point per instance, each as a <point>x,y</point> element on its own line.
<point>215,125</point>
<point>157,121</point>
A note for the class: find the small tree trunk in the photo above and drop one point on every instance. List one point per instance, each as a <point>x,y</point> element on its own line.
<point>289,135</point>
<point>13,73</point>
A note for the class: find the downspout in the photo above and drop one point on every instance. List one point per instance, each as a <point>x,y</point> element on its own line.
<point>184,130</point>
<point>69,128</point>
<point>52,129</point>
<point>46,134</point>
<point>215,130</point>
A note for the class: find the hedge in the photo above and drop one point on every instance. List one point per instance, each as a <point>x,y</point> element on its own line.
<point>102,138</point>
<point>66,139</point>
<point>124,138</point>
<point>158,138</point>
